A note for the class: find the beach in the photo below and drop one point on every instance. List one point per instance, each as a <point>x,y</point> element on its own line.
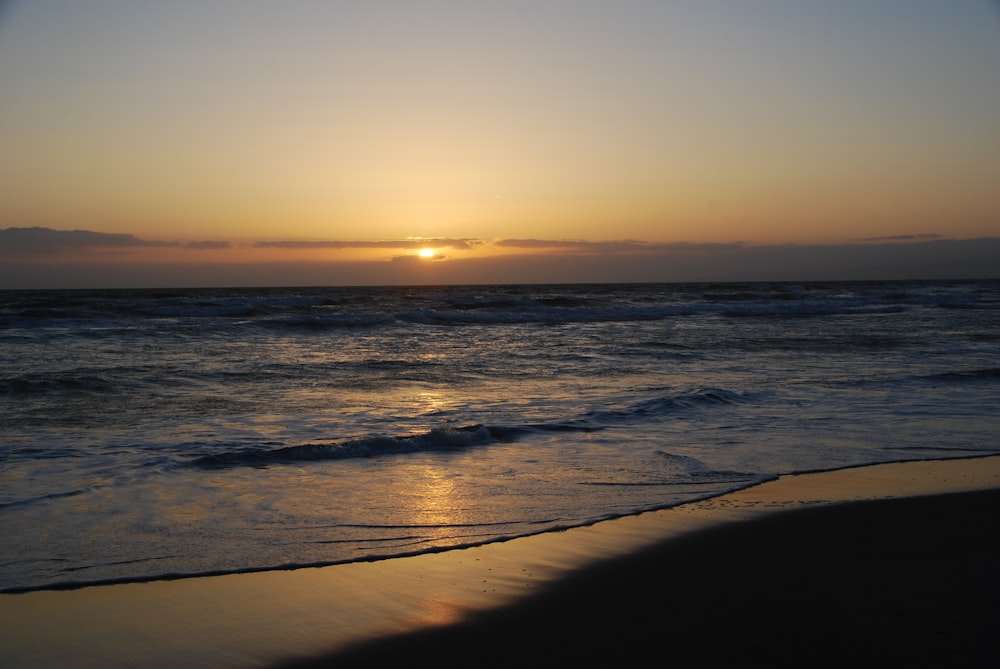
<point>889,563</point>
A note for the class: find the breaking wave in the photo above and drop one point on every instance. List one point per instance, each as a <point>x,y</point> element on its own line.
<point>468,436</point>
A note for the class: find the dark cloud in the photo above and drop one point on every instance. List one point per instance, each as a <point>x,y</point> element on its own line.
<point>621,246</point>
<point>207,245</point>
<point>694,248</point>
<point>15,242</point>
<point>376,244</point>
<point>571,245</point>
<point>406,259</point>
<point>901,238</point>
<point>413,259</point>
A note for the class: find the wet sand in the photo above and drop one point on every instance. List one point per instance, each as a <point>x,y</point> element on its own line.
<point>893,563</point>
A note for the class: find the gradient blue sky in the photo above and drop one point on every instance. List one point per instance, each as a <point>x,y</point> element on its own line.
<point>249,142</point>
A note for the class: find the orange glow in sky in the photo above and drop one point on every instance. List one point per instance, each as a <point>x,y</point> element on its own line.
<point>225,133</point>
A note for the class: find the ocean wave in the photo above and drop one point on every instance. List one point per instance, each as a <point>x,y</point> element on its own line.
<point>468,436</point>
<point>56,384</point>
<point>438,439</point>
<point>325,322</point>
<point>668,405</point>
<point>680,470</point>
<point>45,498</point>
<point>541,314</point>
<point>986,374</point>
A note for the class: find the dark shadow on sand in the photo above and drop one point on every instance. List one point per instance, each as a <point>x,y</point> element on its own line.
<point>893,583</point>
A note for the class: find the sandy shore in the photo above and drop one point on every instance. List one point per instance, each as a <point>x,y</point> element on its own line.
<point>909,574</point>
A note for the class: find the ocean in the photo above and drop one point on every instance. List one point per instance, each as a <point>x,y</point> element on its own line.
<point>148,434</point>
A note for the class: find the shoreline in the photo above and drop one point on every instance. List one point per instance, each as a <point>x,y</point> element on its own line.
<point>265,618</point>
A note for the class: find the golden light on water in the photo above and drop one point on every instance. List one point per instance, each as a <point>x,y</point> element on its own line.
<point>435,497</point>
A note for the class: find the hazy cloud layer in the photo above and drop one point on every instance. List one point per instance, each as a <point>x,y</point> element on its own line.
<point>42,258</point>
<point>207,245</point>
<point>376,244</point>
<point>622,246</point>
<point>37,241</point>
<point>572,245</point>
<point>901,238</point>
<point>46,241</point>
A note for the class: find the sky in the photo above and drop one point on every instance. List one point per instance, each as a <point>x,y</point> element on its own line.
<point>309,142</point>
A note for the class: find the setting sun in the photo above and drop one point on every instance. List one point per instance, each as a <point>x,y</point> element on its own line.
<point>426,253</point>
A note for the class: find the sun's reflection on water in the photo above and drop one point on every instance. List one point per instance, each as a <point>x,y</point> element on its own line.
<point>431,403</point>
<point>432,499</point>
